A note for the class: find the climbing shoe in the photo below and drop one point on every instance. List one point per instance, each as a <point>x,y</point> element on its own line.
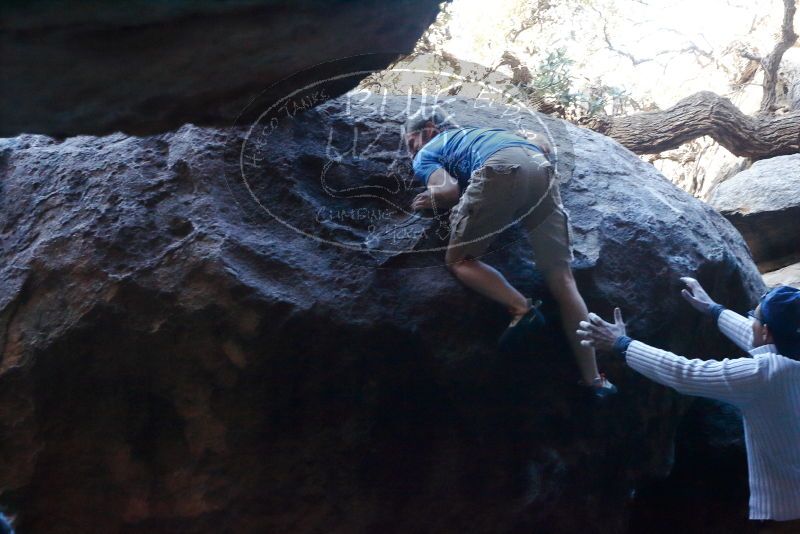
<point>516,332</point>
<point>600,388</point>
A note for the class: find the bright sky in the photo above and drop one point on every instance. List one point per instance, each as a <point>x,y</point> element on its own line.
<point>642,28</point>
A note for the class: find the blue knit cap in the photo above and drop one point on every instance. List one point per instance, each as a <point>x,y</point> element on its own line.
<point>5,525</point>
<point>780,310</point>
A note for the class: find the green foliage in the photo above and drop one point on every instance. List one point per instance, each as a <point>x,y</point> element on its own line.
<point>553,89</point>
<point>553,79</point>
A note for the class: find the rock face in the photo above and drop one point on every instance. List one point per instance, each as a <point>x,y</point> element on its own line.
<point>707,491</point>
<point>142,67</point>
<point>789,276</point>
<point>763,203</point>
<point>173,360</point>
<point>789,79</point>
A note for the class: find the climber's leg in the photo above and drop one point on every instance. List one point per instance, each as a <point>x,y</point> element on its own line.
<point>551,241</point>
<point>485,209</point>
<point>561,284</point>
<point>490,283</point>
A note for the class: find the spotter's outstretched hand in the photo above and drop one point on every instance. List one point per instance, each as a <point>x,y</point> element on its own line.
<point>599,334</point>
<point>696,296</point>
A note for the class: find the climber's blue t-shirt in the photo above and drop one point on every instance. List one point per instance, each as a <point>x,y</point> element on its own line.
<point>462,150</point>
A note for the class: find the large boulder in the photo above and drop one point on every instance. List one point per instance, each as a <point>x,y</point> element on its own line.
<point>789,80</point>
<point>142,67</point>
<point>763,202</point>
<point>175,360</point>
<point>789,275</point>
<point>707,491</point>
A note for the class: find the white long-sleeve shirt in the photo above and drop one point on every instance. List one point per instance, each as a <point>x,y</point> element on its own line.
<point>766,388</point>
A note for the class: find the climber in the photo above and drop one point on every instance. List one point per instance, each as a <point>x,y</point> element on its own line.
<point>765,387</point>
<point>492,178</point>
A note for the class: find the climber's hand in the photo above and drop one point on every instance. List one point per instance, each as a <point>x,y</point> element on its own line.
<point>696,295</point>
<point>599,334</point>
<point>422,201</point>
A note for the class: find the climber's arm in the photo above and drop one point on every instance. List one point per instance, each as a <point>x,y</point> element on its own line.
<point>737,328</point>
<point>736,381</point>
<point>442,193</point>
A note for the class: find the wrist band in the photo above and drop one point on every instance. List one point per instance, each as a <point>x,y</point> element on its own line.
<point>715,310</point>
<point>621,345</point>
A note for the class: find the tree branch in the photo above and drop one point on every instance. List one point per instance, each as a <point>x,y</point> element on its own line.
<point>691,47</point>
<point>747,74</point>
<point>704,113</point>
<point>773,60</point>
<point>751,56</point>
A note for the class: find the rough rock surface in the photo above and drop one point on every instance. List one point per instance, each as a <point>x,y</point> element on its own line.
<point>789,79</point>
<point>789,276</point>
<point>143,67</point>
<point>707,491</point>
<point>175,361</point>
<point>763,203</point>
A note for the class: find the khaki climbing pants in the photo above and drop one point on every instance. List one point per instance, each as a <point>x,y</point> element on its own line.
<point>515,184</point>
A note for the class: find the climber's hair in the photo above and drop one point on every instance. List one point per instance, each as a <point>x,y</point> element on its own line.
<point>433,114</point>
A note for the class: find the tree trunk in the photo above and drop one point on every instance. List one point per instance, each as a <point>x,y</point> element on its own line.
<point>763,135</point>
<point>773,61</point>
<point>704,113</point>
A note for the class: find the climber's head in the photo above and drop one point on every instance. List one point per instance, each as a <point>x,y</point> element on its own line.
<point>422,127</point>
<point>777,321</point>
